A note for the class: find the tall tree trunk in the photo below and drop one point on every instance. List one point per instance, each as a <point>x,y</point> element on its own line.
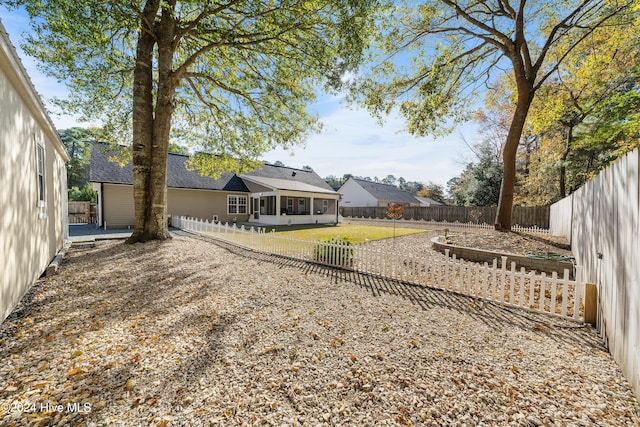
<point>156,225</point>
<point>143,122</point>
<point>509,151</point>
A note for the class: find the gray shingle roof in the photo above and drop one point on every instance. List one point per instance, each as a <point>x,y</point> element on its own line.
<point>102,170</point>
<point>288,184</point>
<point>386,192</point>
<point>291,174</point>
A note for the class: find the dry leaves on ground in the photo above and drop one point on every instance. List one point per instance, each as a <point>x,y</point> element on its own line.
<point>188,333</point>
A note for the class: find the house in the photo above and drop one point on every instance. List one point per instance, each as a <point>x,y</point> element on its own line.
<point>33,194</point>
<point>271,195</point>
<point>428,201</point>
<point>363,193</point>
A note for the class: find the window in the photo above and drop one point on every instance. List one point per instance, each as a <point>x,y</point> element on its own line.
<point>237,204</point>
<point>289,206</point>
<point>325,206</point>
<point>40,173</point>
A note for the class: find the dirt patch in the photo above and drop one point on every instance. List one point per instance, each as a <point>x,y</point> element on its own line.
<point>513,243</point>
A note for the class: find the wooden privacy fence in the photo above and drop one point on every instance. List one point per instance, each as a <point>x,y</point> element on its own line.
<point>82,213</point>
<point>550,294</point>
<point>522,216</point>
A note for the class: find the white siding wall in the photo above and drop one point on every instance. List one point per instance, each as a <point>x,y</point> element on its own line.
<point>353,195</point>
<point>30,235</point>
<point>118,206</point>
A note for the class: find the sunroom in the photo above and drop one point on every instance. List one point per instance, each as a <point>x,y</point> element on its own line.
<point>287,202</point>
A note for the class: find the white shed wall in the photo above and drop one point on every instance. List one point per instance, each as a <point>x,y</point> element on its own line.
<point>30,235</point>
<point>353,195</point>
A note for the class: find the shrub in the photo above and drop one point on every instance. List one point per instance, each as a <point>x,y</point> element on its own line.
<point>86,194</point>
<point>335,251</point>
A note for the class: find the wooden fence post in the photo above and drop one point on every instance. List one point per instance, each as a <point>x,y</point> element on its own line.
<point>590,303</point>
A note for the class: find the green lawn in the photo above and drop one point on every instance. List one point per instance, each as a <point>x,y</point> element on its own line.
<point>354,232</point>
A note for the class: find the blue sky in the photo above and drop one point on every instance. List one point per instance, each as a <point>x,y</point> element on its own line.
<point>352,141</point>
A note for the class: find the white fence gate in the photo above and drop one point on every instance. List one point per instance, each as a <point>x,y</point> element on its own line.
<point>550,294</point>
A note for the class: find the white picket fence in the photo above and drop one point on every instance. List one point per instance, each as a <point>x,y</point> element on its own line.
<point>550,294</point>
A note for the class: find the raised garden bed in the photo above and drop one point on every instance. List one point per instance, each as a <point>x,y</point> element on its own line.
<point>480,255</point>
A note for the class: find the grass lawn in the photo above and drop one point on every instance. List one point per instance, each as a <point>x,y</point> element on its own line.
<point>354,232</point>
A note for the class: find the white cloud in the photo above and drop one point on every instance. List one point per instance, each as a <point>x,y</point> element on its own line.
<point>354,143</point>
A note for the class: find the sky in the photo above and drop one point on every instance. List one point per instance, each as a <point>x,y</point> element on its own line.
<point>352,141</point>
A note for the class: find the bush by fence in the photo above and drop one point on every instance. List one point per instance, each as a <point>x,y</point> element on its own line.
<point>336,251</point>
<point>522,216</point>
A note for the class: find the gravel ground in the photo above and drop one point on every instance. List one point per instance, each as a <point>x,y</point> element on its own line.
<point>190,333</point>
<point>487,239</point>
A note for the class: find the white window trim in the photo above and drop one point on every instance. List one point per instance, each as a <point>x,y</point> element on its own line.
<point>40,171</point>
<point>41,177</point>
<point>237,204</point>
<point>245,204</point>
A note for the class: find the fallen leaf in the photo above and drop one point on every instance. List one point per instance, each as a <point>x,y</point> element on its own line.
<point>337,342</point>
<point>40,386</point>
